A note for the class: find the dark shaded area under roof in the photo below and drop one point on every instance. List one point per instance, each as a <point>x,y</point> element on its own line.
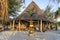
<point>34,16</point>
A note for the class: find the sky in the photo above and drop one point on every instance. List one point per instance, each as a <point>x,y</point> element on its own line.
<point>42,4</point>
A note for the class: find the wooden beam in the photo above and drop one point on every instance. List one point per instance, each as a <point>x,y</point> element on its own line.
<point>13,24</point>
<point>38,22</point>
<point>10,25</point>
<point>56,26</point>
<point>19,25</point>
<point>49,26</point>
<point>41,25</point>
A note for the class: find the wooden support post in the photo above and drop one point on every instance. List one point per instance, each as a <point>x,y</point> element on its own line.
<point>13,24</point>
<point>19,25</point>
<point>38,22</point>
<point>41,25</point>
<point>56,27</point>
<point>10,25</point>
<point>49,26</point>
<point>38,25</point>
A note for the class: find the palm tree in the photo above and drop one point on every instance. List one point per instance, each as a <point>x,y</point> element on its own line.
<point>47,12</point>
<point>57,14</point>
<point>13,7</point>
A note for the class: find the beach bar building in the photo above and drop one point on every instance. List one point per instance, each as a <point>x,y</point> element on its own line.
<point>32,18</point>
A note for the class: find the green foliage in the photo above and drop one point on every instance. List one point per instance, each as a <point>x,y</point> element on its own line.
<point>47,12</point>
<point>51,14</point>
<point>58,1</point>
<point>57,14</point>
<point>58,11</point>
<point>30,12</point>
<point>58,23</point>
<point>14,6</point>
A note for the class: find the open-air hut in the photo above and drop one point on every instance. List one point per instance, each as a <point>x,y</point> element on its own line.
<point>32,16</point>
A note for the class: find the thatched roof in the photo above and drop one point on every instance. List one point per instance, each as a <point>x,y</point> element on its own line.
<point>34,6</point>
<point>36,15</point>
